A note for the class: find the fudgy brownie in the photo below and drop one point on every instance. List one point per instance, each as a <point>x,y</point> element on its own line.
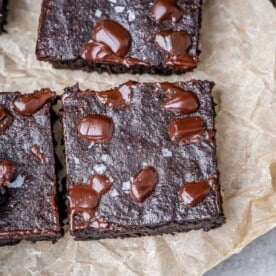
<point>155,36</point>
<point>28,205</point>
<point>141,160</point>
<point>3,14</point>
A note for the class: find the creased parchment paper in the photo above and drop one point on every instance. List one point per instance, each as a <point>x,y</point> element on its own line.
<point>238,41</point>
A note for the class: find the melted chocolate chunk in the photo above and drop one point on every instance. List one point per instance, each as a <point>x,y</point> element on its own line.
<point>185,130</point>
<point>111,42</point>
<point>27,105</point>
<point>128,61</point>
<point>144,183</point>
<point>96,128</point>
<point>83,200</point>
<point>186,62</point>
<point>181,102</point>
<point>118,97</point>
<point>35,150</point>
<point>166,10</point>
<point>194,193</point>
<point>175,43</point>
<point>6,119</point>
<point>99,52</point>
<point>112,34</point>
<point>99,184</point>
<point>7,169</point>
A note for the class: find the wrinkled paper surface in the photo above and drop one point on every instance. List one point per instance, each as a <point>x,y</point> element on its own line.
<point>238,41</point>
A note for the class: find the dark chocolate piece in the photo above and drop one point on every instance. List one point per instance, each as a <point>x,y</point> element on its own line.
<point>7,169</point>
<point>186,129</point>
<point>35,150</point>
<point>180,101</point>
<point>138,182</point>
<point>27,105</point>
<point>143,184</point>
<point>163,10</point>
<point>194,193</point>
<point>6,119</point>
<point>118,97</point>
<point>160,36</point>
<point>99,184</point>
<point>28,205</point>
<point>96,128</point>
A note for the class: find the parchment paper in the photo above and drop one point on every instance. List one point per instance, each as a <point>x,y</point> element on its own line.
<point>238,52</point>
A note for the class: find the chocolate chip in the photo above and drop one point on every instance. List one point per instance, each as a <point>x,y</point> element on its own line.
<point>118,97</point>
<point>83,198</point>
<point>186,129</point>
<point>181,102</point>
<point>27,105</point>
<point>7,169</point>
<point>99,184</point>
<point>96,128</point>
<point>112,34</point>
<point>6,119</point>
<point>173,42</point>
<point>143,184</point>
<point>166,10</point>
<point>35,150</point>
<point>96,51</point>
<point>193,193</point>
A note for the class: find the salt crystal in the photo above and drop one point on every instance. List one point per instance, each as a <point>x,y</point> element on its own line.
<point>100,168</point>
<point>166,153</point>
<point>126,186</point>
<point>18,182</point>
<point>106,158</point>
<point>91,145</point>
<point>114,193</point>
<point>98,13</point>
<point>119,9</point>
<point>76,161</point>
<point>131,15</point>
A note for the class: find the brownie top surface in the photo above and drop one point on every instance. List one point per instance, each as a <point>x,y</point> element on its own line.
<point>66,26</point>
<point>26,141</point>
<point>141,140</point>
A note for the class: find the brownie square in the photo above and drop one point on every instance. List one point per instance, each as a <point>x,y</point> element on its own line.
<point>28,203</point>
<point>141,160</point>
<point>3,14</point>
<point>118,36</point>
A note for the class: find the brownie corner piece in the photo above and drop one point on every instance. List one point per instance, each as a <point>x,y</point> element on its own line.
<point>141,160</point>
<point>159,36</point>
<point>28,187</point>
<point>3,14</point>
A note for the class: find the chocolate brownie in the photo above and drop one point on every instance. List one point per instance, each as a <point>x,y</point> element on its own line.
<point>154,36</point>
<point>3,14</point>
<point>141,160</point>
<point>28,204</point>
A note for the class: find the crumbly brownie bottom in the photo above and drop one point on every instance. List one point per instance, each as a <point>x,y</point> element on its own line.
<point>83,65</point>
<point>171,228</point>
<point>13,241</point>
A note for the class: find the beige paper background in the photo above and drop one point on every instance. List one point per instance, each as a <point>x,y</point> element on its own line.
<point>238,52</point>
